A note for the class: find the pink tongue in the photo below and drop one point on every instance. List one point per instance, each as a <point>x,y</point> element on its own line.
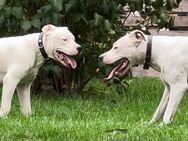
<point>115,70</point>
<point>72,62</point>
<point>111,74</point>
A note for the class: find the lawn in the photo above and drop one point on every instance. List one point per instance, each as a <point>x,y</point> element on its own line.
<point>96,116</point>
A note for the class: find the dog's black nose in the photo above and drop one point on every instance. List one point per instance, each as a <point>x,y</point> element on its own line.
<point>100,58</point>
<point>79,49</point>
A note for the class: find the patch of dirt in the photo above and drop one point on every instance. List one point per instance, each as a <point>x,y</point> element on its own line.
<point>139,71</point>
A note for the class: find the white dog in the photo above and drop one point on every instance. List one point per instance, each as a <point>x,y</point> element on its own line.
<point>166,54</point>
<point>22,56</point>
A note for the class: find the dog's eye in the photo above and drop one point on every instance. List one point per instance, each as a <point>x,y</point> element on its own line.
<point>64,39</point>
<point>115,47</point>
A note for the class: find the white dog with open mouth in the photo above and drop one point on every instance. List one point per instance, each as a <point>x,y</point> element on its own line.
<point>22,56</point>
<point>167,54</point>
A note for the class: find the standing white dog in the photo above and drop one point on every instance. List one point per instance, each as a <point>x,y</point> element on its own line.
<point>166,54</point>
<point>22,56</point>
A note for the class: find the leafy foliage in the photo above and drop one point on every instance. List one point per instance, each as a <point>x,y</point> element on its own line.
<point>94,23</point>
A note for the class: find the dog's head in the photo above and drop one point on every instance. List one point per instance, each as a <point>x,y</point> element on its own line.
<point>125,53</point>
<point>60,44</point>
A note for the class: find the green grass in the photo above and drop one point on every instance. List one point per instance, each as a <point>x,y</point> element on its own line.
<point>88,117</point>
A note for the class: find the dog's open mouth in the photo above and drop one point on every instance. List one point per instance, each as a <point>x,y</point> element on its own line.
<point>65,59</point>
<point>118,70</point>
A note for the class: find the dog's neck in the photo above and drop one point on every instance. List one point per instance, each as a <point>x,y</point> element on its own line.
<point>142,54</point>
<point>39,59</point>
<point>154,56</point>
<point>41,46</point>
<point>147,61</point>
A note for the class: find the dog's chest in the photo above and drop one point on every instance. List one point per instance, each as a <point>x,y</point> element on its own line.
<point>32,72</point>
<point>30,76</point>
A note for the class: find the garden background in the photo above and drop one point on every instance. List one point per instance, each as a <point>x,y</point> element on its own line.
<point>75,104</point>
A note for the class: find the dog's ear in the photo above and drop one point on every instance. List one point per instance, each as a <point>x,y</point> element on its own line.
<point>138,36</point>
<point>48,28</point>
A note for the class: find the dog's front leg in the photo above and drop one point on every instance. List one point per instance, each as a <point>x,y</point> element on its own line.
<point>176,93</point>
<point>162,105</point>
<point>9,85</point>
<point>24,98</point>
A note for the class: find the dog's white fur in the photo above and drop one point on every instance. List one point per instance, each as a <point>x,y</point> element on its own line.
<point>169,56</point>
<point>20,60</point>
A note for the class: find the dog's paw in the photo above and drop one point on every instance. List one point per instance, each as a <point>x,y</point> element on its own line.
<point>166,122</point>
<point>151,122</point>
<point>26,113</point>
<point>3,114</point>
